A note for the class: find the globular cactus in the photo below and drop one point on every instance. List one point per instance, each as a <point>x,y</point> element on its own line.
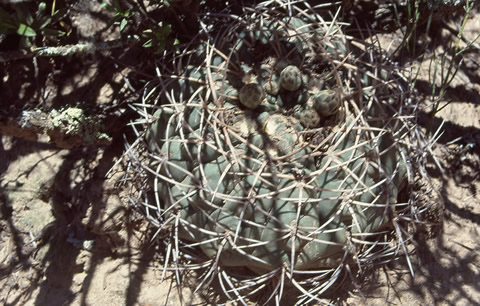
<point>251,95</point>
<point>326,102</point>
<point>271,157</point>
<point>291,78</point>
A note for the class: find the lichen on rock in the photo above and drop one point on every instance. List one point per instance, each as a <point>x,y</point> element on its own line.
<point>73,121</point>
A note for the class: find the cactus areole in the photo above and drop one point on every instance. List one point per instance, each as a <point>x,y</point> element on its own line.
<point>262,156</point>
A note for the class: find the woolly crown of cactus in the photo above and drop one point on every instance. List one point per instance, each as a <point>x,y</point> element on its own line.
<point>272,151</point>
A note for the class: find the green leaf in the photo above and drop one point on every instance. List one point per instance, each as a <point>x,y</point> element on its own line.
<point>108,7</point>
<point>25,30</point>
<point>148,43</point>
<point>60,13</point>
<point>117,6</point>
<point>25,42</point>
<point>113,20</point>
<point>41,23</point>
<point>9,26</point>
<point>3,29</point>
<point>160,47</point>
<point>123,24</point>
<point>41,9</point>
<point>6,19</point>
<point>163,32</point>
<point>23,14</point>
<point>52,32</point>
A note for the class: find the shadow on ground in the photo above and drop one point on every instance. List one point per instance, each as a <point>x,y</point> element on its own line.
<point>89,227</point>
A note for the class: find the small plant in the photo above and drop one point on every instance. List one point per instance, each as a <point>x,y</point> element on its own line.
<point>33,26</point>
<point>155,36</point>
<point>158,38</point>
<point>444,68</point>
<point>122,15</point>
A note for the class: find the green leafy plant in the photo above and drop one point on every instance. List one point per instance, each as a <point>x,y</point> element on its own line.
<point>158,38</point>
<point>122,15</point>
<point>155,36</point>
<point>31,26</point>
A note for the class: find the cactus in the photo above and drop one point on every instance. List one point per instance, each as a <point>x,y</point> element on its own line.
<point>251,95</point>
<point>326,102</point>
<point>284,182</point>
<point>291,78</point>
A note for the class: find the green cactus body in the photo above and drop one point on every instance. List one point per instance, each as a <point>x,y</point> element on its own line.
<point>310,118</point>
<point>326,102</point>
<point>291,78</point>
<point>240,169</point>
<point>224,195</point>
<point>251,95</point>
<point>271,88</point>
<point>260,201</point>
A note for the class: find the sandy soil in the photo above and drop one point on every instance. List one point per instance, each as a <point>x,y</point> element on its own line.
<point>68,237</point>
